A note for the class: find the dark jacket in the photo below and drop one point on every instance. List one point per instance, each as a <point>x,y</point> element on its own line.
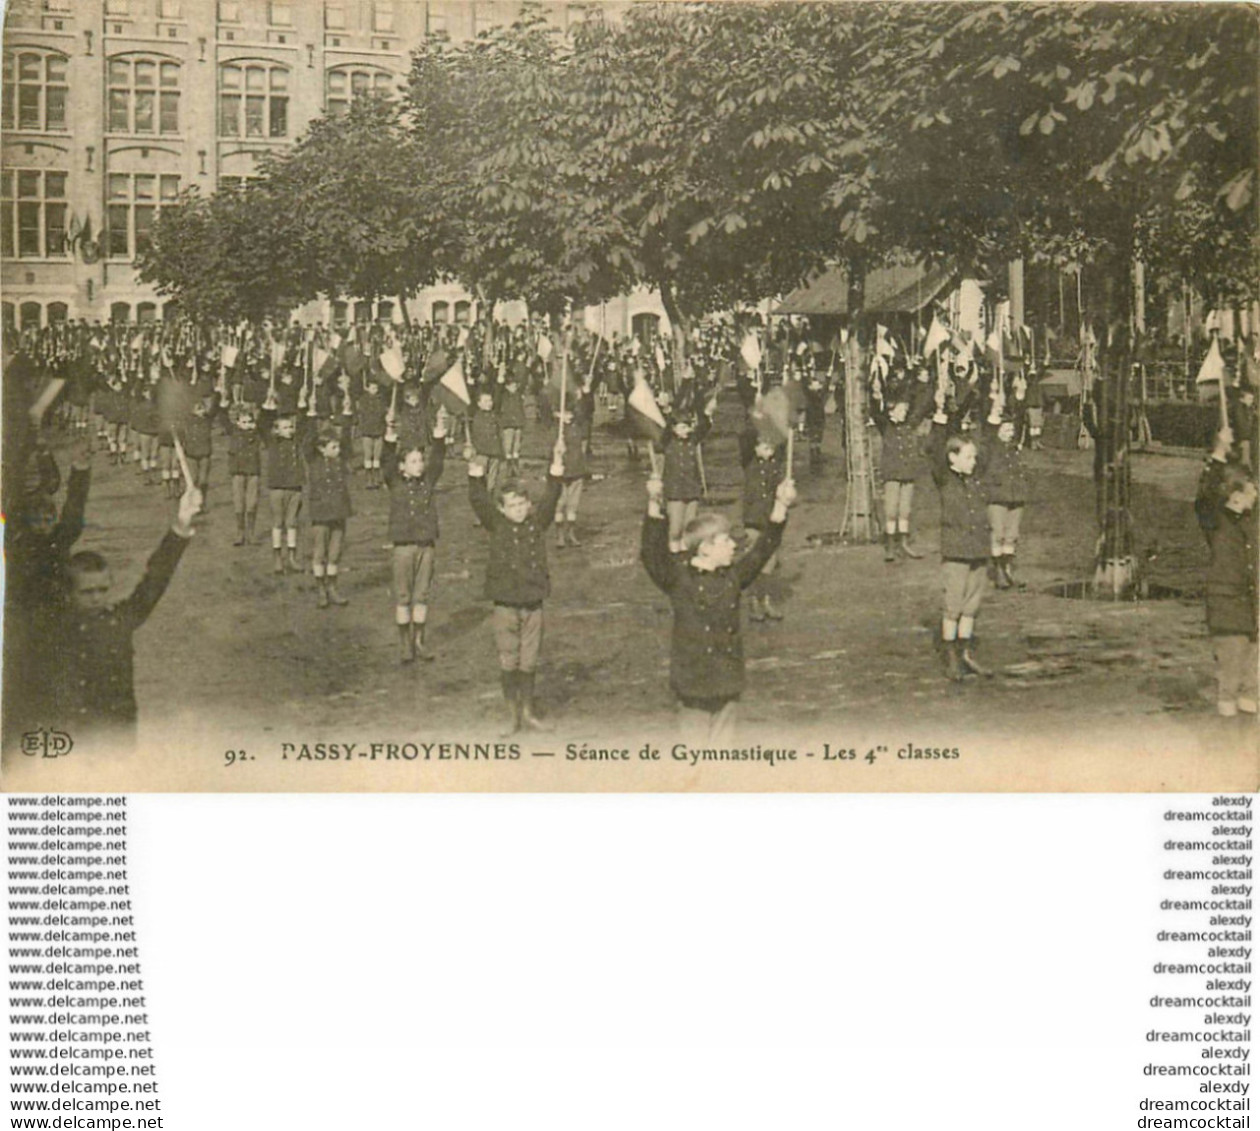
<point>327,483</point>
<point>511,408</point>
<point>413,516</point>
<point>414,426</point>
<point>761,480</point>
<point>964,500</point>
<point>516,572</point>
<point>244,452</point>
<point>1231,575</point>
<point>284,463</point>
<point>681,475</point>
<point>901,455</point>
<point>370,410</point>
<point>487,438</point>
<point>1006,477</point>
<point>94,682</point>
<point>706,648</point>
<point>198,437</point>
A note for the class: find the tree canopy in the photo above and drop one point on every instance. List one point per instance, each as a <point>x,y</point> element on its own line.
<point>723,152</point>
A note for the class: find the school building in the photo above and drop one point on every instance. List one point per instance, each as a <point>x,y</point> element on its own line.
<point>112,107</point>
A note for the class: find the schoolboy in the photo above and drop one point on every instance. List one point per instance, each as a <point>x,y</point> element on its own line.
<point>517,580</point>
<point>704,585</point>
<point>93,683</point>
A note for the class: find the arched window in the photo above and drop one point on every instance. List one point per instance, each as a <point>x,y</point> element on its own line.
<point>120,312</point>
<point>35,91</point>
<point>30,313</point>
<point>32,213</point>
<point>143,96</point>
<point>57,312</point>
<point>346,83</point>
<point>8,315</point>
<point>646,326</point>
<point>340,313</point>
<point>441,312</point>
<point>253,100</point>
<point>363,312</point>
<point>385,311</point>
<point>146,312</point>
<point>463,309</point>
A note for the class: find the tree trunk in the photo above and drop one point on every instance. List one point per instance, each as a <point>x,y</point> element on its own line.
<point>402,305</point>
<point>680,328</point>
<point>860,523</point>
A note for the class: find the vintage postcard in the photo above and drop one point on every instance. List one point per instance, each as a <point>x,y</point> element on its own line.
<point>629,397</point>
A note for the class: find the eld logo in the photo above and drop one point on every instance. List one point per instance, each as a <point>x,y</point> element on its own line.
<point>46,743</point>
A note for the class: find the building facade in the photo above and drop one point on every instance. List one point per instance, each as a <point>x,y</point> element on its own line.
<point>112,107</point>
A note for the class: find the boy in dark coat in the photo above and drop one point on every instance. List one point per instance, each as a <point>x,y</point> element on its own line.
<point>958,464</point>
<point>707,655</point>
<point>908,404</point>
<point>764,469</point>
<point>516,577</point>
<point>1226,509</point>
<point>94,687</point>
<point>412,477</point>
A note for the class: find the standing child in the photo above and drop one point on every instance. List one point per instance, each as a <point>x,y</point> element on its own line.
<point>371,420</point>
<point>486,437</point>
<point>284,490</point>
<point>198,443</point>
<point>412,479</point>
<point>764,469</point>
<point>574,426</point>
<point>512,421</point>
<point>683,484</point>
<point>1008,485</point>
<point>1226,509</point>
<point>907,405</point>
<point>516,578</point>
<point>94,686</point>
<point>958,469</point>
<point>328,506</point>
<point>144,423</point>
<point>706,670</point>
<point>245,468</point>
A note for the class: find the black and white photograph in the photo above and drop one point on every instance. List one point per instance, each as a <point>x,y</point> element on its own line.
<point>438,395</point>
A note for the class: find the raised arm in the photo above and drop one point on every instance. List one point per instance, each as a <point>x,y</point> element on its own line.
<point>654,542</point>
<point>135,609</point>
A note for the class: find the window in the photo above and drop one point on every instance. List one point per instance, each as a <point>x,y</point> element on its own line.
<point>334,15</point>
<point>30,314</point>
<point>146,312</point>
<point>170,9</point>
<point>135,201</point>
<point>383,15</point>
<point>229,12</point>
<point>362,312</point>
<point>384,311</point>
<point>345,83</point>
<point>33,213</point>
<point>120,312</point>
<point>340,313</point>
<point>441,313</point>
<point>237,184</point>
<point>57,312</point>
<point>254,101</point>
<point>34,96</point>
<point>280,13</point>
<point>463,309</point>
<point>143,96</point>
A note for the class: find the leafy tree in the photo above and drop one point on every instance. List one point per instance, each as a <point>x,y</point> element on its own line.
<point>228,256</point>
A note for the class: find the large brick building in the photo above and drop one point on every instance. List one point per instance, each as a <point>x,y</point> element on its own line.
<point>112,107</point>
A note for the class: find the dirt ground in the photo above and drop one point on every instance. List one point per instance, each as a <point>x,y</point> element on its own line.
<point>1087,694</point>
